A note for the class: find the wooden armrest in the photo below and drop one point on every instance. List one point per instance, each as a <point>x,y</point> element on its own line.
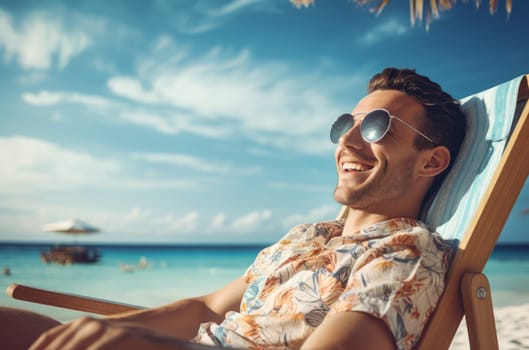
<point>69,301</point>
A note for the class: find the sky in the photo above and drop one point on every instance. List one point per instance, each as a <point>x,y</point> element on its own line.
<point>193,121</point>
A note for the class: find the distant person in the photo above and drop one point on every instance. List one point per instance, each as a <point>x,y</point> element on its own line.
<point>143,263</point>
<point>7,271</point>
<point>367,282</point>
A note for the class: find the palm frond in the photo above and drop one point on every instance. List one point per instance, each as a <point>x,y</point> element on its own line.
<point>508,7</point>
<point>434,9</point>
<point>493,6</point>
<point>447,4</point>
<point>419,8</point>
<point>378,8</point>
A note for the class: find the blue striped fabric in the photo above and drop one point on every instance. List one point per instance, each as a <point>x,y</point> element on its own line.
<point>490,116</point>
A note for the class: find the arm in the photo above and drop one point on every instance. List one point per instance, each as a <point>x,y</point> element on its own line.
<point>165,327</point>
<point>351,330</point>
<point>182,318</point>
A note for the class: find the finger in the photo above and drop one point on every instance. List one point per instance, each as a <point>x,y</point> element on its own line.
<point>113,339</point>
<point>127,337</point>
<point>124,336</point>
<point>85,336</point>
<point>47,337</point>
<point>59,336</point>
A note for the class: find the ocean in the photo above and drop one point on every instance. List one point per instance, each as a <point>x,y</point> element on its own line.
<point>155,275</point>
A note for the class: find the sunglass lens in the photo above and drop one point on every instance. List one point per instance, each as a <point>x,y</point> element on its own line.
<point>342,125</point>
<point>375,125</point>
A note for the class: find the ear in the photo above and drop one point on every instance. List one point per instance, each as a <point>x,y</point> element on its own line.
<point>435,161</point>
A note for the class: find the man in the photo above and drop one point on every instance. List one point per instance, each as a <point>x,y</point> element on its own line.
<point>368,282</point>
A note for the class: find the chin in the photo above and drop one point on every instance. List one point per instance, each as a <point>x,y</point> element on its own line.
<point>341,197</point>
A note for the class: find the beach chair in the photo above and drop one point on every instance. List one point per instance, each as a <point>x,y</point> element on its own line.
<point>471,208</point>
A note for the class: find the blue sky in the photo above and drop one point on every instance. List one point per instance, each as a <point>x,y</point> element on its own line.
<point>207,121</point>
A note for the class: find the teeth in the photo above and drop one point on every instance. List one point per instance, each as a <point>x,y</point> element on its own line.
<point>354,167</point>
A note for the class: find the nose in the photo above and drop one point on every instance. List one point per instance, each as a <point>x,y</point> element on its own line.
<point>353,138</point>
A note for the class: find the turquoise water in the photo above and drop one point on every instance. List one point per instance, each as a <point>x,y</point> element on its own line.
<point>181,271</point>
<point>171,273</point>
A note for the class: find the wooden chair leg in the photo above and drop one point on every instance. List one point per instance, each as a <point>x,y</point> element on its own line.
<point>479,314</point>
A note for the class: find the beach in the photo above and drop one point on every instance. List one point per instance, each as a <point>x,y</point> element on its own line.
<point>155,275</point>
<point>512,327</point>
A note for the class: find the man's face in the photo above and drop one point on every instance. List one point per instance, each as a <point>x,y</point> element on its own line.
<point>379,177</point>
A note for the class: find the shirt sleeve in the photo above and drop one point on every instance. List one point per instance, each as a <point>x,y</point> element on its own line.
<point>399,281</point>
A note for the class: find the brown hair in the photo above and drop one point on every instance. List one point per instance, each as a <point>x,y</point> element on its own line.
<point>445,123</point>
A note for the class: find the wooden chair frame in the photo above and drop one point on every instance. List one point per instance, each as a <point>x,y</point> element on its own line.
<point>467,290</point>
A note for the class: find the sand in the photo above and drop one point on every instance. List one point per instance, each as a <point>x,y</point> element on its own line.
<point>512,326</point>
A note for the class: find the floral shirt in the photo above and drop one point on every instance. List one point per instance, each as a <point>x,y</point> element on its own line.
<point>393,270</point>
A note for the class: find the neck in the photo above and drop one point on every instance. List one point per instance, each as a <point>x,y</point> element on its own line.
<point>358,219</point>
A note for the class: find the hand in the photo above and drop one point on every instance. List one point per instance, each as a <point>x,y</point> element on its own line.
<point>100,334</point>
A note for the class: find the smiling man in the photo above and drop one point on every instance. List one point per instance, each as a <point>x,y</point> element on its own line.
<point>367,282</point>
<point>389,176</point>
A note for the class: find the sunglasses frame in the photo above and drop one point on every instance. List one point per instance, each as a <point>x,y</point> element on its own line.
<point>355,116</point>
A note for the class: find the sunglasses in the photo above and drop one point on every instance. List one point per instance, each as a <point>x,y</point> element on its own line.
<point>374,127</point>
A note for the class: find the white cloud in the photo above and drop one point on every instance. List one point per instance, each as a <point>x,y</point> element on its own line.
<point>204,16</point>
<point>43,98</point>
<point>194,163</point>
<point>234,6</point>
<point>268,102</point>
<point>31,165</point>
<point>189,222</point>
<point>139,220</point>
<point>173,123</point>
<point>38,39</point>
<point>252,222</point>
<point>131,89</point>
<point>20,219</point>
<point>184,160</point>
<point>217,223</point>
<point>126,183</point>
<point>219,95</point>
<point>386,29</point>
<point>50,98</point>
<point>136,214</point>
<point>164,125</point>
<point>190,225</point>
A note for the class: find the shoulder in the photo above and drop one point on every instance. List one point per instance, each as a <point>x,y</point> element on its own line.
<point>324,229</point>
<point>412,238</point>
<point>416,232</point>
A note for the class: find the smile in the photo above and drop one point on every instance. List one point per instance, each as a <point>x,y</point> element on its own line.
<point>353,166</point>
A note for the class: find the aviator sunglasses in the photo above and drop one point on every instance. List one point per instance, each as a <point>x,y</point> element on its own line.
<point>374,127</point>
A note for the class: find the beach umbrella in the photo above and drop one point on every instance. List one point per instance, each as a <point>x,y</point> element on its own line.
<point>68,255</point>
<point>73,226</point>
<point>419,8</point>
